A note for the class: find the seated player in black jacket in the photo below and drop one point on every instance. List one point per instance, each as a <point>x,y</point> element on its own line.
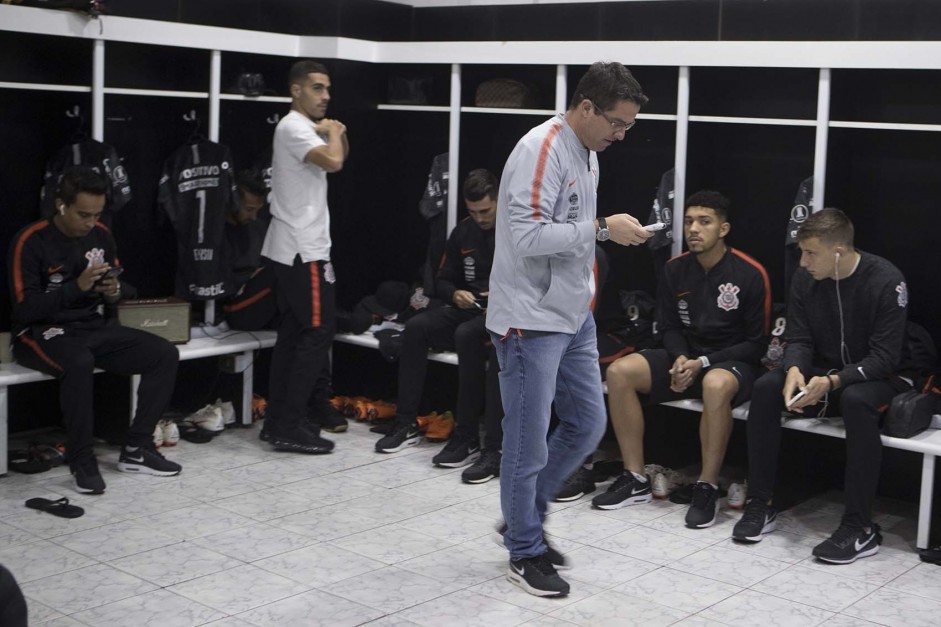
<point>63,278</point>
<point>845,329</point>
<point>714,311</point>
<point>463,280</point>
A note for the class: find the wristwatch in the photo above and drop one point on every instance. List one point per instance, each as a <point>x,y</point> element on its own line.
<point>603,233</point>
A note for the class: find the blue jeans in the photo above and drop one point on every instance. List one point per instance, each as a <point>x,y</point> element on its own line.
<point>537,367</point>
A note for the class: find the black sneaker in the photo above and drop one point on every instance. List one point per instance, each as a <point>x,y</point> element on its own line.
<point>457,453</point>
<point>702,511</point>
<point>848,544</point>
<point>402,436</point>
<point>626,490</point>
<point>555,558</point>
<point>576,486</point>
<point>537,576</point>
<point>145,460</point>
<point>329,419</point>
<point>86,477</point>
<point>485,468</point>
<point>298,439</point>
<point>758,519</point>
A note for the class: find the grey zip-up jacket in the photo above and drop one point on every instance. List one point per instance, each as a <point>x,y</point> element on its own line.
<point>545,235</point>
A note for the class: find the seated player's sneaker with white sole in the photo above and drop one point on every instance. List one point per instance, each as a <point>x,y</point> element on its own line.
<point>626,490</point>
<point>848,544</point>
<point>146,460</point>
<point>758,519</point>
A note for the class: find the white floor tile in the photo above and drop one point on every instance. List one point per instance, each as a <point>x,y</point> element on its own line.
<point>174,564</point>
<point>467,609</point>
<point>85,588</point>
<point>897,609</point>
<point>159,608</point>
<point>817,588</point>
<point>312,609</point>
<point>319,565</point>
<point>254,542</point>
<point>614,609</point>
<point>390,589</point>
<point>238,589</point>
<point>679,590</point>
<point>749,608</point>
<point>734,567</point>
<point>39,559</point>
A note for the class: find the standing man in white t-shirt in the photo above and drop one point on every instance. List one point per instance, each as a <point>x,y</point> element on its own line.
<point>307,146</point>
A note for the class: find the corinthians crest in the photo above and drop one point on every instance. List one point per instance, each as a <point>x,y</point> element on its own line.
<point>728,297</point>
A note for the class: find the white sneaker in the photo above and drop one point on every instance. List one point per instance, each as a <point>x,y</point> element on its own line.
<point>738,494</point>
<point>228,411</point>
<point>665,482</point>
<point>158,434</point>
<point>171,432</point>
<point>208,418</point>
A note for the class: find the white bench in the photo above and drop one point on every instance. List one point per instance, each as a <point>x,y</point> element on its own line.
<point>204,343</point>
<point>368,340</point>
<point>928,443</point>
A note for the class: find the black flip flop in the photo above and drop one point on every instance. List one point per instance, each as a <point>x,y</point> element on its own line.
<point>28,462</point>
<point>194,434</point>
<point>59,507</point>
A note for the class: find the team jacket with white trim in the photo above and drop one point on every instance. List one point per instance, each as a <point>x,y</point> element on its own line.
<point>874,311</point>
<point>44,264</point>
<point>466,262</point>
<point>196,190</point>
<point>545,241</point>
<point>723,314</point>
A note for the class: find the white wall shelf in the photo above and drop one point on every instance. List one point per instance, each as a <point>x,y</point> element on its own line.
<point>430,108</point>
<point>45,87</point>
<point>162,93</point>
<point>241,98</point>
<point>719,119</point>
<point>507,111</point>
<point>886,126</point>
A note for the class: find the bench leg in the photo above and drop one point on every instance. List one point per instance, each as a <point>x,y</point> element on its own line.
<point>924,503</point>
<point>135,383</point>
<point>4,415</point>
<point>248,386</point>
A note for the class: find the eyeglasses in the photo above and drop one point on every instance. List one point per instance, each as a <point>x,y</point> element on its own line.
<point>618,126</point>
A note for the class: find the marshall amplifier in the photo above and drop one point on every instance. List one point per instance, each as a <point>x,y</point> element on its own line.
<point>167,317</point>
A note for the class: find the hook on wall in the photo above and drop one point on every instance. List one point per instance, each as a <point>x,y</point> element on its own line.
<point>191,116</point>
<point>74,112</point>
<point>273,118</point>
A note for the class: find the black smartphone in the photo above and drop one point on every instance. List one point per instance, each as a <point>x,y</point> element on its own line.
<point>111,273</point>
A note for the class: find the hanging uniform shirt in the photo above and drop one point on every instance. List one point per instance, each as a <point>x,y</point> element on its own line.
<point>44,264</point>
<point>101,158</point>
<point>723,314</point>
<point>803,207</point>
<point>196,190</point>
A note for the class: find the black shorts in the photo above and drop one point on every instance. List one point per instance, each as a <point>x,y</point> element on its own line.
<point>660,363</point>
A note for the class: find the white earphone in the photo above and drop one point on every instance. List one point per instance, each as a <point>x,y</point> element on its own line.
<point>62,211</point>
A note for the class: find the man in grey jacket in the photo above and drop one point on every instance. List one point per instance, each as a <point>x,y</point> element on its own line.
<point>540,290</point>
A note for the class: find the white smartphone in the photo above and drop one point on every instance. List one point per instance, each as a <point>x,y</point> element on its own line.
<point>797,396</point>
<point>656,226</point>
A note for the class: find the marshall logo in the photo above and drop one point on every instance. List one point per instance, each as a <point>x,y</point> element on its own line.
<point>147,323</point>
<point>51,332</point>
<point>728,297</point>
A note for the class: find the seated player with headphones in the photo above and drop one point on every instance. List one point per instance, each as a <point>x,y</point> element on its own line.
<point>845,329</point>
<point>63,274</point>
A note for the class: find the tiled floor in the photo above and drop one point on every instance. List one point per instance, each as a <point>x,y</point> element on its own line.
<point>246,536</point>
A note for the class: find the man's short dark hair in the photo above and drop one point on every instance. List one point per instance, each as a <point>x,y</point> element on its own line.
<point>480,184</point>
<point>711,200</point>
<point>301,69</point>
<point>250,181</point>
<point>77,180</point>
<point>831,226</point>
<point>606,84</point>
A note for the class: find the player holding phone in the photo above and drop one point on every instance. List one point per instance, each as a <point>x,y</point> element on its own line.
<point>845,327</point>
<point>63,270</point>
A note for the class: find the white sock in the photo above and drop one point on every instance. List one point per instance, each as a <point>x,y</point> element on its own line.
<point>639,478</point>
